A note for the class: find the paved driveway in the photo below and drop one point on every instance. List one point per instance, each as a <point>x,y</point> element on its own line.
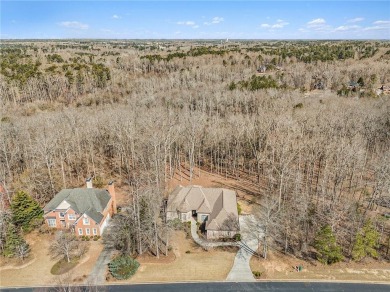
<point>98,274</point>
<point>241,272</point>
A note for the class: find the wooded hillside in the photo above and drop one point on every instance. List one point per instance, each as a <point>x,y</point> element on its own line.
<point>138,112</point>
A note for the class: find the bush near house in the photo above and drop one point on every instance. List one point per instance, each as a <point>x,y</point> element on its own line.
<point>123,267</point>
<point>239,209</point>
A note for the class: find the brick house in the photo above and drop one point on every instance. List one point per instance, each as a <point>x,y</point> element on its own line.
<point>86,211</point>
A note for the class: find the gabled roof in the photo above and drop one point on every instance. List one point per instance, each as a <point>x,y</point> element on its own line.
<point>89,201</point>
<point>205,207</point>
<point>220,203</point>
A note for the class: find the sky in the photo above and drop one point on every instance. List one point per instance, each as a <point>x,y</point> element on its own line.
<point>195,19</point>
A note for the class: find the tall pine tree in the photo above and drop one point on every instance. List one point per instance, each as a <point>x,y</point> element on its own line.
<point>25,209</point>
<point>328,250</point>
<point>13,241</point>
<point>366,242</point>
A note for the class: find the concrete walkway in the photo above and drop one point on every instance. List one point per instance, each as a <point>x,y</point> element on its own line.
<point>241,271</point>
<point>204,243</point>
<point>98,274</point>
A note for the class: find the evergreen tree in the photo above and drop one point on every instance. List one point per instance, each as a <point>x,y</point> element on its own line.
<point>13,241</point>
<point>366,242</point>
<point>25,209</point>
<point>329,251</point>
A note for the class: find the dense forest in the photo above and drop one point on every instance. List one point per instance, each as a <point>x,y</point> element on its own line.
<point>311,132</point>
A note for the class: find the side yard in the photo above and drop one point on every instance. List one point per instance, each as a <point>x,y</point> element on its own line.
<point>36,269</point>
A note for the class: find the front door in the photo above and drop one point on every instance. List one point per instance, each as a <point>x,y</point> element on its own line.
<point>194,214</point>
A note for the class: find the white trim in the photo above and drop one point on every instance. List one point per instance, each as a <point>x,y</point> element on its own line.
<point>104,224</point>
<point>94,231</point>
<point>87,231</point>
<point>86,221</point>
<point>64,205</point>
<point>80,231</point>
<point>84,216</point>
<point>74,216</point>
<point>50,221</point>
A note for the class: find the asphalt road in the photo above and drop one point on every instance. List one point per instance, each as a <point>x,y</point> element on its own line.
<point>229,286</point>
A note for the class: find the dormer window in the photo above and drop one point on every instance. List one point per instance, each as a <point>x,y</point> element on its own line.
<point>86,221</point>
<point>62,214</point>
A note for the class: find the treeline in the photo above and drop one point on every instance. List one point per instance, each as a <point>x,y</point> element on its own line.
<point>73,77</point>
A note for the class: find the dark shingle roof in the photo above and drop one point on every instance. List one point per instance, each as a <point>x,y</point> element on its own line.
<point>89,201</point>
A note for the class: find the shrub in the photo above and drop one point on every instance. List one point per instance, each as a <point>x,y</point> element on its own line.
<point>298,105</point>
<point>232,86</point>
<point>123,267</point>
<point>237,237</point>
<point>176,224</point>
<point>188,251</point>
<point>239,210</point>
<point>256,274</point>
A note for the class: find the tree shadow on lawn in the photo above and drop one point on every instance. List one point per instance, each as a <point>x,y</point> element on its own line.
<point>63,266</point>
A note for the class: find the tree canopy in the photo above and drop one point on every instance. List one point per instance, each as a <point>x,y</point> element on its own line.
<point>329,251</point>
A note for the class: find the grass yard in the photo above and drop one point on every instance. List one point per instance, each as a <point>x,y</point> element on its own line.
<point>37,271</point>
<point>280,266</point>
<point>63,266</point>
<point>191,263</point>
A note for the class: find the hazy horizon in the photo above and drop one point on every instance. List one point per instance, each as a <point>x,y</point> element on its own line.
<point>194,20</point>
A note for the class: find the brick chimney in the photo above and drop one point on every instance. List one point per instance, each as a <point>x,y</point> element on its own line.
<point>89,183</point>
<point>111,190</point>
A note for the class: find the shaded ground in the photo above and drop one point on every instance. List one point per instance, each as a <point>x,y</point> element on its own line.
<point>192,263</point>
<point>280,266</point>
<point>37,271</point>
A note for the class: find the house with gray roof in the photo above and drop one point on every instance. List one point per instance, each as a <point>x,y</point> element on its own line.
<point>215,208</point>
<point>86,211</point>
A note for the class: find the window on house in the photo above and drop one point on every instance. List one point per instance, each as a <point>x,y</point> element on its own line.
<point>62,214</point>
<point>203,218</point>
<point>51,222</point>
<point>87,232</point>
<point>72,216</point>
<point>80,231</point>
<point>183,216</point>
<point>86,221</point>
<point>94,231</point>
